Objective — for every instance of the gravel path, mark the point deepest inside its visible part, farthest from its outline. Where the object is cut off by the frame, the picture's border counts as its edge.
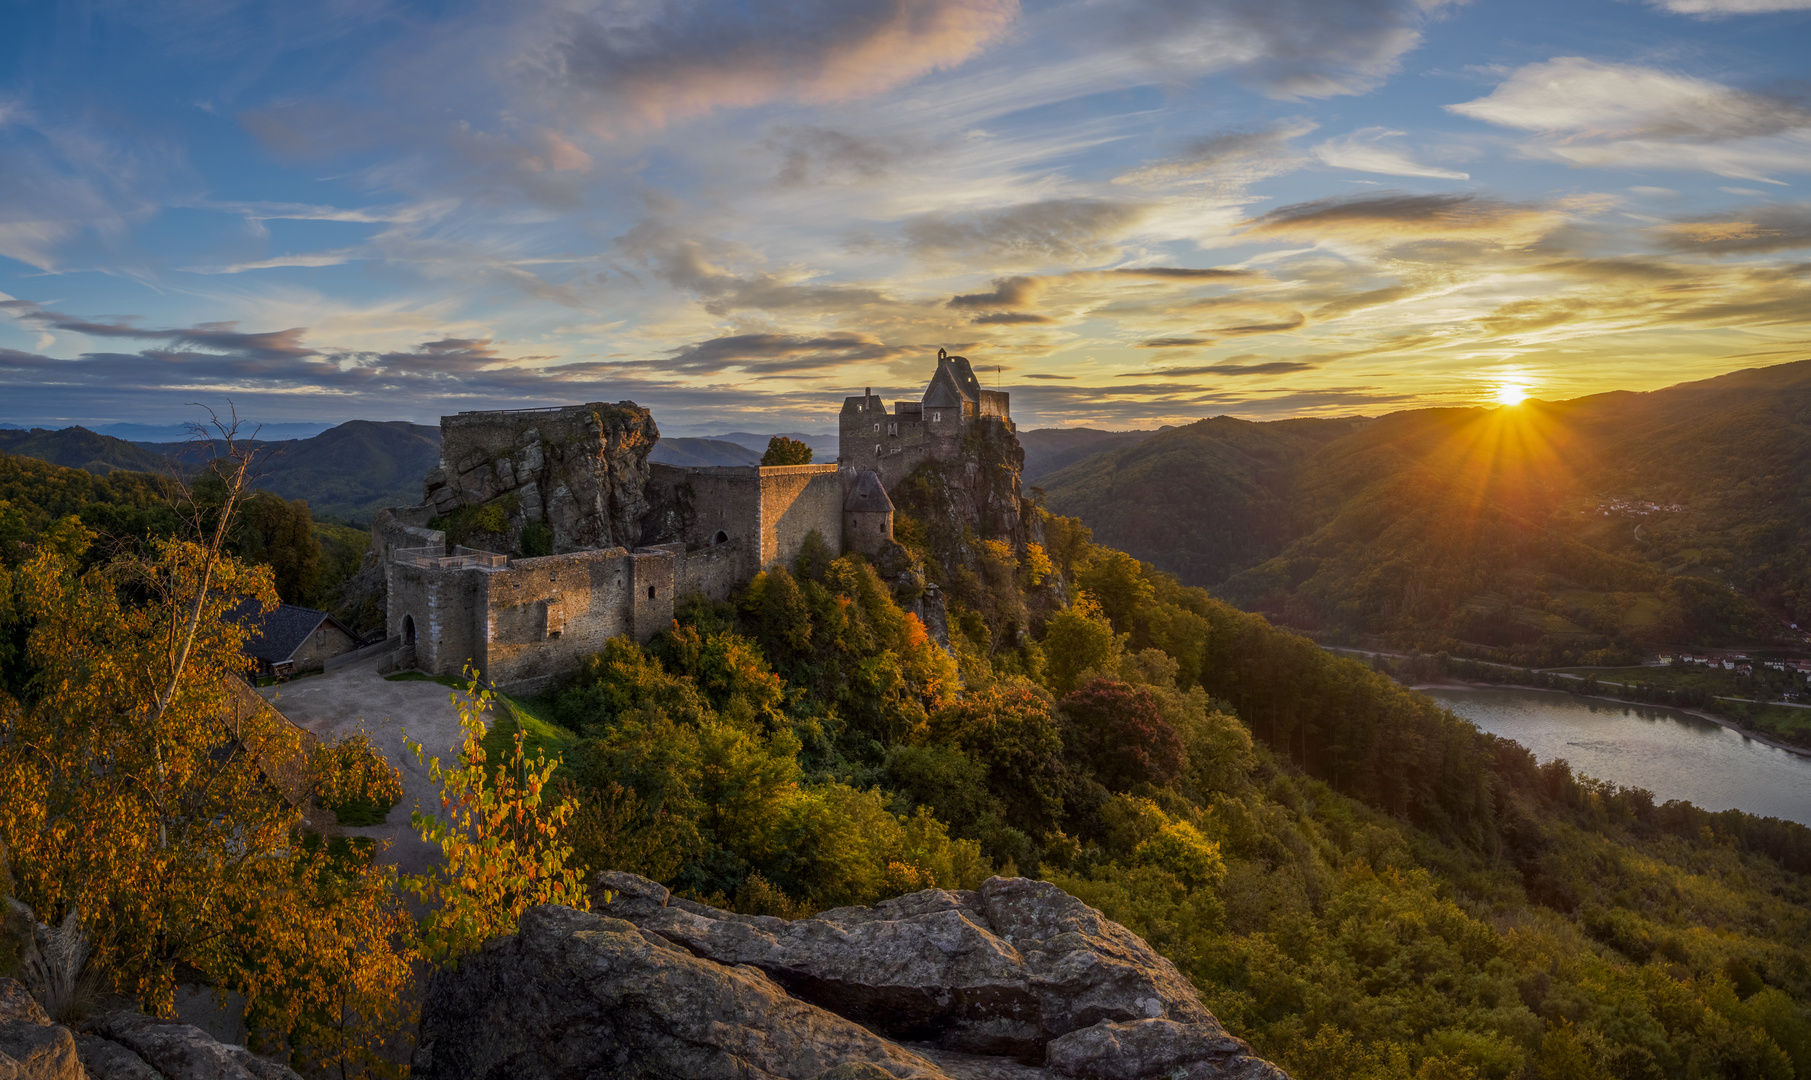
(336, 703)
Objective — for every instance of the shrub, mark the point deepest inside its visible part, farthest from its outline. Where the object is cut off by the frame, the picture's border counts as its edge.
(355, 781)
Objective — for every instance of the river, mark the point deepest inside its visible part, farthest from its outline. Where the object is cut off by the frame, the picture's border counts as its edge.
(1674, 755)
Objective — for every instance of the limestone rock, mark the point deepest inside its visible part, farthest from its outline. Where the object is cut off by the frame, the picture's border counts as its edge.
(18, 1006)
(31, 1047)
(574, 995)
(35, 1051)
(1000, 971)
(1142, 1048)
(108, 1060)
(581, 472)
(173, 1051)
(1014, 981)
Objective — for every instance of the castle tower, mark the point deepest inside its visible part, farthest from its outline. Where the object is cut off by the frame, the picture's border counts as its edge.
(867, 515)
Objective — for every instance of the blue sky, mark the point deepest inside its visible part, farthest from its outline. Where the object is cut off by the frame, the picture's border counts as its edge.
(1127, 213)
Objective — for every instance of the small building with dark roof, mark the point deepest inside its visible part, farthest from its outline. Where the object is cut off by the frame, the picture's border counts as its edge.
(290, 639)
(867, 514)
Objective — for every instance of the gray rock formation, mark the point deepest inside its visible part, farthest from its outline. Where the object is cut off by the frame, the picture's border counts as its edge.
(1015, 980)
(116, 1046)
(578, 472)
(31, 1047)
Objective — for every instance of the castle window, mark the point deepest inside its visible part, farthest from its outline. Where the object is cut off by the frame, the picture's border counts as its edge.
(721, 538)
(650, 592)
(936, 418)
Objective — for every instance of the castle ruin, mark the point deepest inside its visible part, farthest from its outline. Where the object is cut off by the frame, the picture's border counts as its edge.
(931, 428)
(545, 532)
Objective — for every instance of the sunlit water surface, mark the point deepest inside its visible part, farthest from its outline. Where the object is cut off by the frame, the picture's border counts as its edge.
(1674, 755)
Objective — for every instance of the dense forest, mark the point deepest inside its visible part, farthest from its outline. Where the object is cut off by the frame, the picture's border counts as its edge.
(124, 510)
(1545, 533)
(1360, 884)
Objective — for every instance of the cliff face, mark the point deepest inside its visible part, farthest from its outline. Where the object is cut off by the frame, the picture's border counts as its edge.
(1015, 980)
(544, 482)
(960, 511)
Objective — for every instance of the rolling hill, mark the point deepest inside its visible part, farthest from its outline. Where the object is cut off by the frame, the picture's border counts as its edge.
(80, 448)
(1049, 450)
(1553, 529)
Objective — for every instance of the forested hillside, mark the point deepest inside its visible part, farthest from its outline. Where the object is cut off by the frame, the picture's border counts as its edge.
(124, 511)
(1550, 531)
(1359, 883)
(347, 472)
(1049, 450)
(79, 448)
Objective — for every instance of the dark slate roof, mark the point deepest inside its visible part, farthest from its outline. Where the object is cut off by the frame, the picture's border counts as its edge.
(943, 392)
(868, 495)
(280, 633)
(966, 383)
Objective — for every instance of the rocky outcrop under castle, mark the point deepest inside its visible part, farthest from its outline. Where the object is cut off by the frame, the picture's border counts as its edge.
(563, 479)
(1014, 981)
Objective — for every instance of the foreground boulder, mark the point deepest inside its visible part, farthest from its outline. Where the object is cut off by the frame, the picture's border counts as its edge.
(117, 1046)
(1014, 980)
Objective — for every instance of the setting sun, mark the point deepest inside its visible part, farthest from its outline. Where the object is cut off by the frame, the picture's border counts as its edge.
(1511, 393)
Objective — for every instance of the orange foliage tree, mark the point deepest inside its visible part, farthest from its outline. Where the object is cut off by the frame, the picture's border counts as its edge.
(150, 803)
(501, 840)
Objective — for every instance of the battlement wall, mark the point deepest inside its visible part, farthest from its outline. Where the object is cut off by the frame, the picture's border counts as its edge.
(533, 618)
(761, 512)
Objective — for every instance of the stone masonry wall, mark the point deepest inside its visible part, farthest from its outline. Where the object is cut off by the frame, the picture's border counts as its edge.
(711, 572)
(797, 500)
(537, 617)
(764, 512)
(313, 654)
(441, 604)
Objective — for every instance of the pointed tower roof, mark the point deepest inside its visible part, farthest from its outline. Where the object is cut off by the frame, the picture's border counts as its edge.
(953, 384)
(942, 393)
(966, 383)
(868, 495)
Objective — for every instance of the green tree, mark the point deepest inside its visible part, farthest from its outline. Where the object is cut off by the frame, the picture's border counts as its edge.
(784, 451)
(1079, 639)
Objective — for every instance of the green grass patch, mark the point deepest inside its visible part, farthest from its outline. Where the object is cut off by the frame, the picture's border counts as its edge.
(538, 734)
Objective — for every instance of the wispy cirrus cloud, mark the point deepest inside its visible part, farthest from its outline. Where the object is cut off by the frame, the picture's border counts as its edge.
(1711, 9)
(648, 65)
(1230, 160)
(1051, 231)
(1269, 367)
(1605, 115)
(1365, 151)
(1768, 227)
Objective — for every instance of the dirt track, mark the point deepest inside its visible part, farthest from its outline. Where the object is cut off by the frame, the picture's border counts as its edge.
(338, 702)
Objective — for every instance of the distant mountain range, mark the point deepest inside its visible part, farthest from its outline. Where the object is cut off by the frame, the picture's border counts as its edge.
(1679, 515)
(345, 473)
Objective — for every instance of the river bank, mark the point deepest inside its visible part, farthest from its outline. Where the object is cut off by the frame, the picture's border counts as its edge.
(1720, 721)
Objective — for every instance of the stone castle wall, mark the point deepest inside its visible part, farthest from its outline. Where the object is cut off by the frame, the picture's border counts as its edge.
(763, 512)
(533, 619)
